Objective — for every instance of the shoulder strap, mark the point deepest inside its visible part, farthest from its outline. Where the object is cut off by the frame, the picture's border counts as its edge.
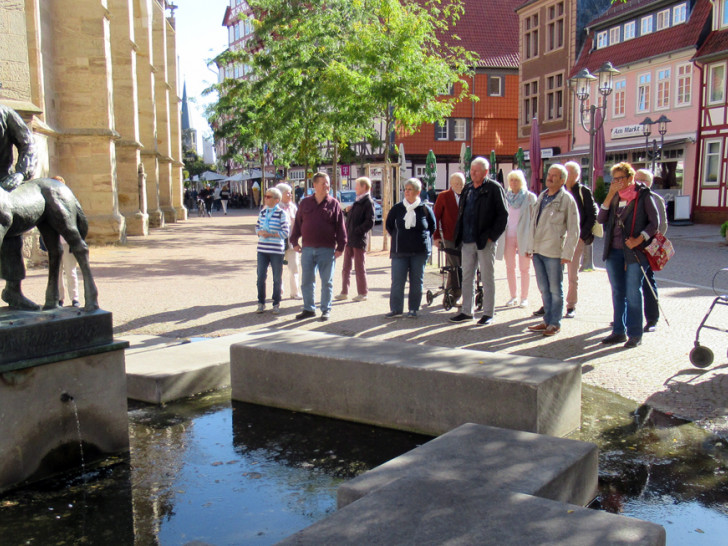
(634, 214)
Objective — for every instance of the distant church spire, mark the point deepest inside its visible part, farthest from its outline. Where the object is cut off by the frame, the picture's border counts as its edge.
(189, 135)
(185, 109)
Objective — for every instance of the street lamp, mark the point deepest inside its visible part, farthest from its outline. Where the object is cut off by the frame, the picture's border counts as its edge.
(581, 83)
(647, 124)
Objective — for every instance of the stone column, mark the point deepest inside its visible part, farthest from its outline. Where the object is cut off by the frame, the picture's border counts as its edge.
(126, 115)
(175, 127)
(84, 112)
(162, 99)
(147, 107)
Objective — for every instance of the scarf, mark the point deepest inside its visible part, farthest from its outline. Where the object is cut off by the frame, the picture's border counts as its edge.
(265, 226)
(629, 193)
(515, 200)
(410, 218)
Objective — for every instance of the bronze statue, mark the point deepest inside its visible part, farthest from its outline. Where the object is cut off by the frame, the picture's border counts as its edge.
(44, 203)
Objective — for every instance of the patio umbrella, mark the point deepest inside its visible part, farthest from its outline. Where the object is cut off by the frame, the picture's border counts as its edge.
(535, 155)
(492, 163)
(402, 169)
(521, 158)
(466, 163)
(599, 150)
(430, 170)
(211, 176)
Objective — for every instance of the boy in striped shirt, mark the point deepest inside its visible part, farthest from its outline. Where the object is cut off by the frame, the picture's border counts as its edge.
(272, 229)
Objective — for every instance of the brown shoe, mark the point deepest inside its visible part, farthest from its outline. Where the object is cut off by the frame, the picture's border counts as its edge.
(538, 327)
(551, 330)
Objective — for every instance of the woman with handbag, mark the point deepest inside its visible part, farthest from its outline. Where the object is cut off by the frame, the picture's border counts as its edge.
(630, 220)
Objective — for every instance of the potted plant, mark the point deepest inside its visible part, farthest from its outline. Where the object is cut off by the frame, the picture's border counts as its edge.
(724, 231)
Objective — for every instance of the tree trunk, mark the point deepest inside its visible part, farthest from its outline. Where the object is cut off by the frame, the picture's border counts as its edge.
(334, 167)
(386, 181)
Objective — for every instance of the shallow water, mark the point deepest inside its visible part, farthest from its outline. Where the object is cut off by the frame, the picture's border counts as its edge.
(226, 473)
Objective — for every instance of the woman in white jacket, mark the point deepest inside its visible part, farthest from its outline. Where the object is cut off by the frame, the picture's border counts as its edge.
(514, 239)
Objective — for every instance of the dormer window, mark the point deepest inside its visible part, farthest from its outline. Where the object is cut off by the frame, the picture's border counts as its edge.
(646, 25)
(663, 19)
(628, 31)
(613, 35)
(602, 40)
(679, 14)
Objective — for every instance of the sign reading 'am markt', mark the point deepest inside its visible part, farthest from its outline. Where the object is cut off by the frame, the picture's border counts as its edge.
(627, 131)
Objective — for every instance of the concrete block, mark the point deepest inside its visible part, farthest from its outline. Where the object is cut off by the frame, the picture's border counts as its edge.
(495, 459)
(36, 419)
(419, 388)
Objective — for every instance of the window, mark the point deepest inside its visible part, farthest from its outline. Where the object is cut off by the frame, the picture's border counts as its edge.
(716, 84)
(602, 39)
(620, 88)
(440, 131)
(530, 101)
(452, 129)
(663, 89)
(643, 92)
(555, 27)
(711, 163)
(679, 14)
(554, 96)
(663, 19)
(684, 84)
(237, 31)
(614, 35)
(628, 31)
(530, 37)
(724, 16)
(459, 129)
(495, 86)
(646, 25)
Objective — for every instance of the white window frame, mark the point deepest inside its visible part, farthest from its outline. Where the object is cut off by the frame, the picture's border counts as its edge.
(647, 94)
(499, 79)
(555, 27)
(679, 14)
(614, 35)
(646, 25)
(663, 19)
(719, 159)
(602, 39)
(460, 129)
(711, 68)
(620, 88)
(441, 131)
(688, 75)
(629, 31)
(662, 82)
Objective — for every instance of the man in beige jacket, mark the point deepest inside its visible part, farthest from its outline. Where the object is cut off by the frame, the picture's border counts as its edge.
(552, 241)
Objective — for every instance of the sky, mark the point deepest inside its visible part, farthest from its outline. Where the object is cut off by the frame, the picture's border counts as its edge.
(200, 37)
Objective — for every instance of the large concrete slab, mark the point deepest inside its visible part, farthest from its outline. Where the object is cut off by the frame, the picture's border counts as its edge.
(420, 388)
(479, 485)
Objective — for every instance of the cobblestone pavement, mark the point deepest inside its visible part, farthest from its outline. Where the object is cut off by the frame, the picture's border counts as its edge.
(197, 278)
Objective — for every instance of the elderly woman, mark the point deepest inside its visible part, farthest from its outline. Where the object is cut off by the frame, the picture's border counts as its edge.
(272, 229)
(291, 257)
(411, 224)
(630, 221)
(515, 238)
(447, 208)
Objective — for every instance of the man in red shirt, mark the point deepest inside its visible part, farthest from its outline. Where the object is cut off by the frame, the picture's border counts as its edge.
(446, 213)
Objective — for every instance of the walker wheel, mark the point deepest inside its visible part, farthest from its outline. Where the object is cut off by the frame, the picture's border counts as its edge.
(448, 301)
(430, 297)
(701, 357)
(479, 300)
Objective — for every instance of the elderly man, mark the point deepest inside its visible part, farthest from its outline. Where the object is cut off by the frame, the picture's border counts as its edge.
(14, 133)
(359, 224)
(650, 297)
(482, 218)
(320, 222)
(552, 242)
(587, 216)
(446, 214)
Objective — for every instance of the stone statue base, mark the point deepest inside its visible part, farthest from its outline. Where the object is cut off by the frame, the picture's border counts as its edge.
(62, 391)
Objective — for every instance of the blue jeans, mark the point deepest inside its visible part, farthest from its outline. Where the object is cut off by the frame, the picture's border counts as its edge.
(313, 258)
(626, 294)
(549, 277)
(276, 264)
(402, 266)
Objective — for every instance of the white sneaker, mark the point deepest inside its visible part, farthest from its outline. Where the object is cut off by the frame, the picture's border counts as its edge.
(340, 297)
(513, 302)
(297, 297)
(359, 297)
(276, 310)
(261, 308)
(524, 303)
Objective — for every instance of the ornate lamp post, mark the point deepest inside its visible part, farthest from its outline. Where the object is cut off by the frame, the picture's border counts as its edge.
(581, 83)
(655, 153)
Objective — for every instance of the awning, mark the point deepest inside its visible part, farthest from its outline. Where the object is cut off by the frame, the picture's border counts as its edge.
(625, 146)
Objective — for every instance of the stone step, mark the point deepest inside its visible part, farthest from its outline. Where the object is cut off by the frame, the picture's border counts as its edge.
(419, 388)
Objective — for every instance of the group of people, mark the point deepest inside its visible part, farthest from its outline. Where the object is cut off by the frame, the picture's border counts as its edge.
(208, 198)
(475, 224)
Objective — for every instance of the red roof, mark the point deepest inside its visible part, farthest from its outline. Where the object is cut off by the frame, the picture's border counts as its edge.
(716, 43)
(652, 45)
(490, 28)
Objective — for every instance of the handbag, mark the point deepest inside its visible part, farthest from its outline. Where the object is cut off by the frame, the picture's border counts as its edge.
(597, 229)
(659, 251)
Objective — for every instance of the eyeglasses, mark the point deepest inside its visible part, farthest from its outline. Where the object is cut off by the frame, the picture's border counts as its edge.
(619, 178)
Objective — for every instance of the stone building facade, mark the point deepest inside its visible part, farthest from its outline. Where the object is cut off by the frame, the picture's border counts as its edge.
(96, 80)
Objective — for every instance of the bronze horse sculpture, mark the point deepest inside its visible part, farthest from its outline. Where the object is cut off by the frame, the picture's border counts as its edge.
(50, 206)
